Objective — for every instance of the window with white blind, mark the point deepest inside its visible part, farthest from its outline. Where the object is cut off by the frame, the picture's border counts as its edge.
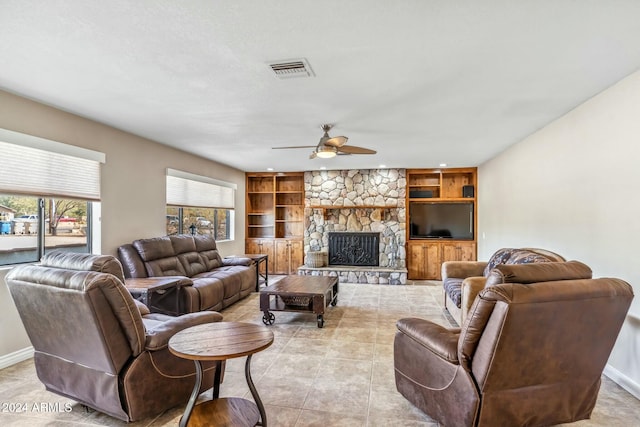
(199, 204)
(47, 190)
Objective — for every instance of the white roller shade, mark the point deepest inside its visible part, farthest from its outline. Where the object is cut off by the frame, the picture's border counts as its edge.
(36, 166)
(185, 189)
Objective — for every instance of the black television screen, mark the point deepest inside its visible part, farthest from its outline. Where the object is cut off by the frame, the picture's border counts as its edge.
(441, 220)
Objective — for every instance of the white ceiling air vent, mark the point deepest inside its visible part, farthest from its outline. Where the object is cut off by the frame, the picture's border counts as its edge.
(292, 68)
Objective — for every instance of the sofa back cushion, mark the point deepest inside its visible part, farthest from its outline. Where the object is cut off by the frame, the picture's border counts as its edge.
(538, 272)
(518, 256)
(208, 250)
(165, 267)
(184, 246)
(159, 257)
(154, 248)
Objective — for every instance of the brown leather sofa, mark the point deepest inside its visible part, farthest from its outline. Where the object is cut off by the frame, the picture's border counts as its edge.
(95, 344)
(531, 352)
(463, 280)
(210, 282)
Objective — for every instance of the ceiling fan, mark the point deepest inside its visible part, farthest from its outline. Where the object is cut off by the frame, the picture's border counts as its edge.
(331, 146)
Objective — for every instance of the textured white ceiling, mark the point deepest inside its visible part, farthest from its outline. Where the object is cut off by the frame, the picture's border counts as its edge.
(422, 82)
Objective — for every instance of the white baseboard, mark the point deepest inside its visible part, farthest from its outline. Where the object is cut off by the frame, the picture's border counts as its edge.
(622, 380)
(15, 357)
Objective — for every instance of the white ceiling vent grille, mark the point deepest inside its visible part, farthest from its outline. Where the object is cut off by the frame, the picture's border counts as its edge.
(292, 68)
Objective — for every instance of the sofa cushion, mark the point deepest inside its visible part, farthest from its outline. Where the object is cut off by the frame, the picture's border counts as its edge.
(154, 248)
(452, 287)
(211, 259)
(211, 292)
(513, 256)
(192, 263)
(204, 242)
(170, 266)
(230, 277)
(183, 243)
(206, 246)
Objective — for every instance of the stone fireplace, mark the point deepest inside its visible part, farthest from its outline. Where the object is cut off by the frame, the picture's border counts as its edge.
(354, 248)
(357, 201)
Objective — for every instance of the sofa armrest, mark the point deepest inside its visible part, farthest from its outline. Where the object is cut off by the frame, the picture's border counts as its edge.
(470, 288)
(441, 341)
(160, 327)
(462, 269)
(237, 261)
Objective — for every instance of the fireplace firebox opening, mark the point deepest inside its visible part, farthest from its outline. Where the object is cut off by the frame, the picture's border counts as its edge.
(354, 248)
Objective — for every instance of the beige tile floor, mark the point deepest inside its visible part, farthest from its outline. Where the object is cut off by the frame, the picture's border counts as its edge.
(340, 375)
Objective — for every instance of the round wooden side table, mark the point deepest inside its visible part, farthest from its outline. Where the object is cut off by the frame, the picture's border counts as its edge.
(218, 342)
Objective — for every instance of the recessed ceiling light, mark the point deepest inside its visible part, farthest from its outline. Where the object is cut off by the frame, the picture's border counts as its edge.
(382, 166)
(269, 169)
(323, 167)
(443, 165)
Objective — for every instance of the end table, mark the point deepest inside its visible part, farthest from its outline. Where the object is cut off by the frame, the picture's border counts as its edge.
(220, 341)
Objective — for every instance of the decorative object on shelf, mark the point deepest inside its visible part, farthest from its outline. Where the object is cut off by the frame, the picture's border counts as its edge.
(331, 146)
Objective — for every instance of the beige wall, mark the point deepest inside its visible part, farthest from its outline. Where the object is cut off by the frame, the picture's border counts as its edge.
(133, 185)
(572, 187)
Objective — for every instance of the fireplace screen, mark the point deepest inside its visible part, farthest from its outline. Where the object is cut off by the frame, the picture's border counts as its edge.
(358, 249)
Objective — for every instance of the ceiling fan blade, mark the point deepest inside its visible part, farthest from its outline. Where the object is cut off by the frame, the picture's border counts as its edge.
(350, 149)
(295, 146)
(336, 141)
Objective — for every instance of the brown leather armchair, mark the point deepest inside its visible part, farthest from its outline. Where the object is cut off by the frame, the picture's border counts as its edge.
(95, 344)
(463, 280)
(531, 352)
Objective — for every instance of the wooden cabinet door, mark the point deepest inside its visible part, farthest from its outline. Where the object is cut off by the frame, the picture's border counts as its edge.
(433, 261)
(281, 262)
(297, 256)
(289, 255)
(416, 257)
(458, 251)
(467, 251)
(262, 246)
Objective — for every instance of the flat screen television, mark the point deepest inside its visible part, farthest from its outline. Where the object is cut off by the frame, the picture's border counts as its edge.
(441, 220)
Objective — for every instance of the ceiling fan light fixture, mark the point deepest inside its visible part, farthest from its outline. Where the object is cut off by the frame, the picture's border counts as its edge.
(326, 152)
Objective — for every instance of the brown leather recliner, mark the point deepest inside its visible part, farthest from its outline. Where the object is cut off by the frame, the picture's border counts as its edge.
(530, 353)
(95, 344)
(463, 280)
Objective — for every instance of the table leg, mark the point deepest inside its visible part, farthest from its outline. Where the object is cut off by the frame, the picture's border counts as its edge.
(217, 376)
(194, 395)
(258, 276)
(254, 392)
(266, 270)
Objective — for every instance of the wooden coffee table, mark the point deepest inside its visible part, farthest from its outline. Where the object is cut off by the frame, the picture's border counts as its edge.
(220, 341)
(309, 294)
